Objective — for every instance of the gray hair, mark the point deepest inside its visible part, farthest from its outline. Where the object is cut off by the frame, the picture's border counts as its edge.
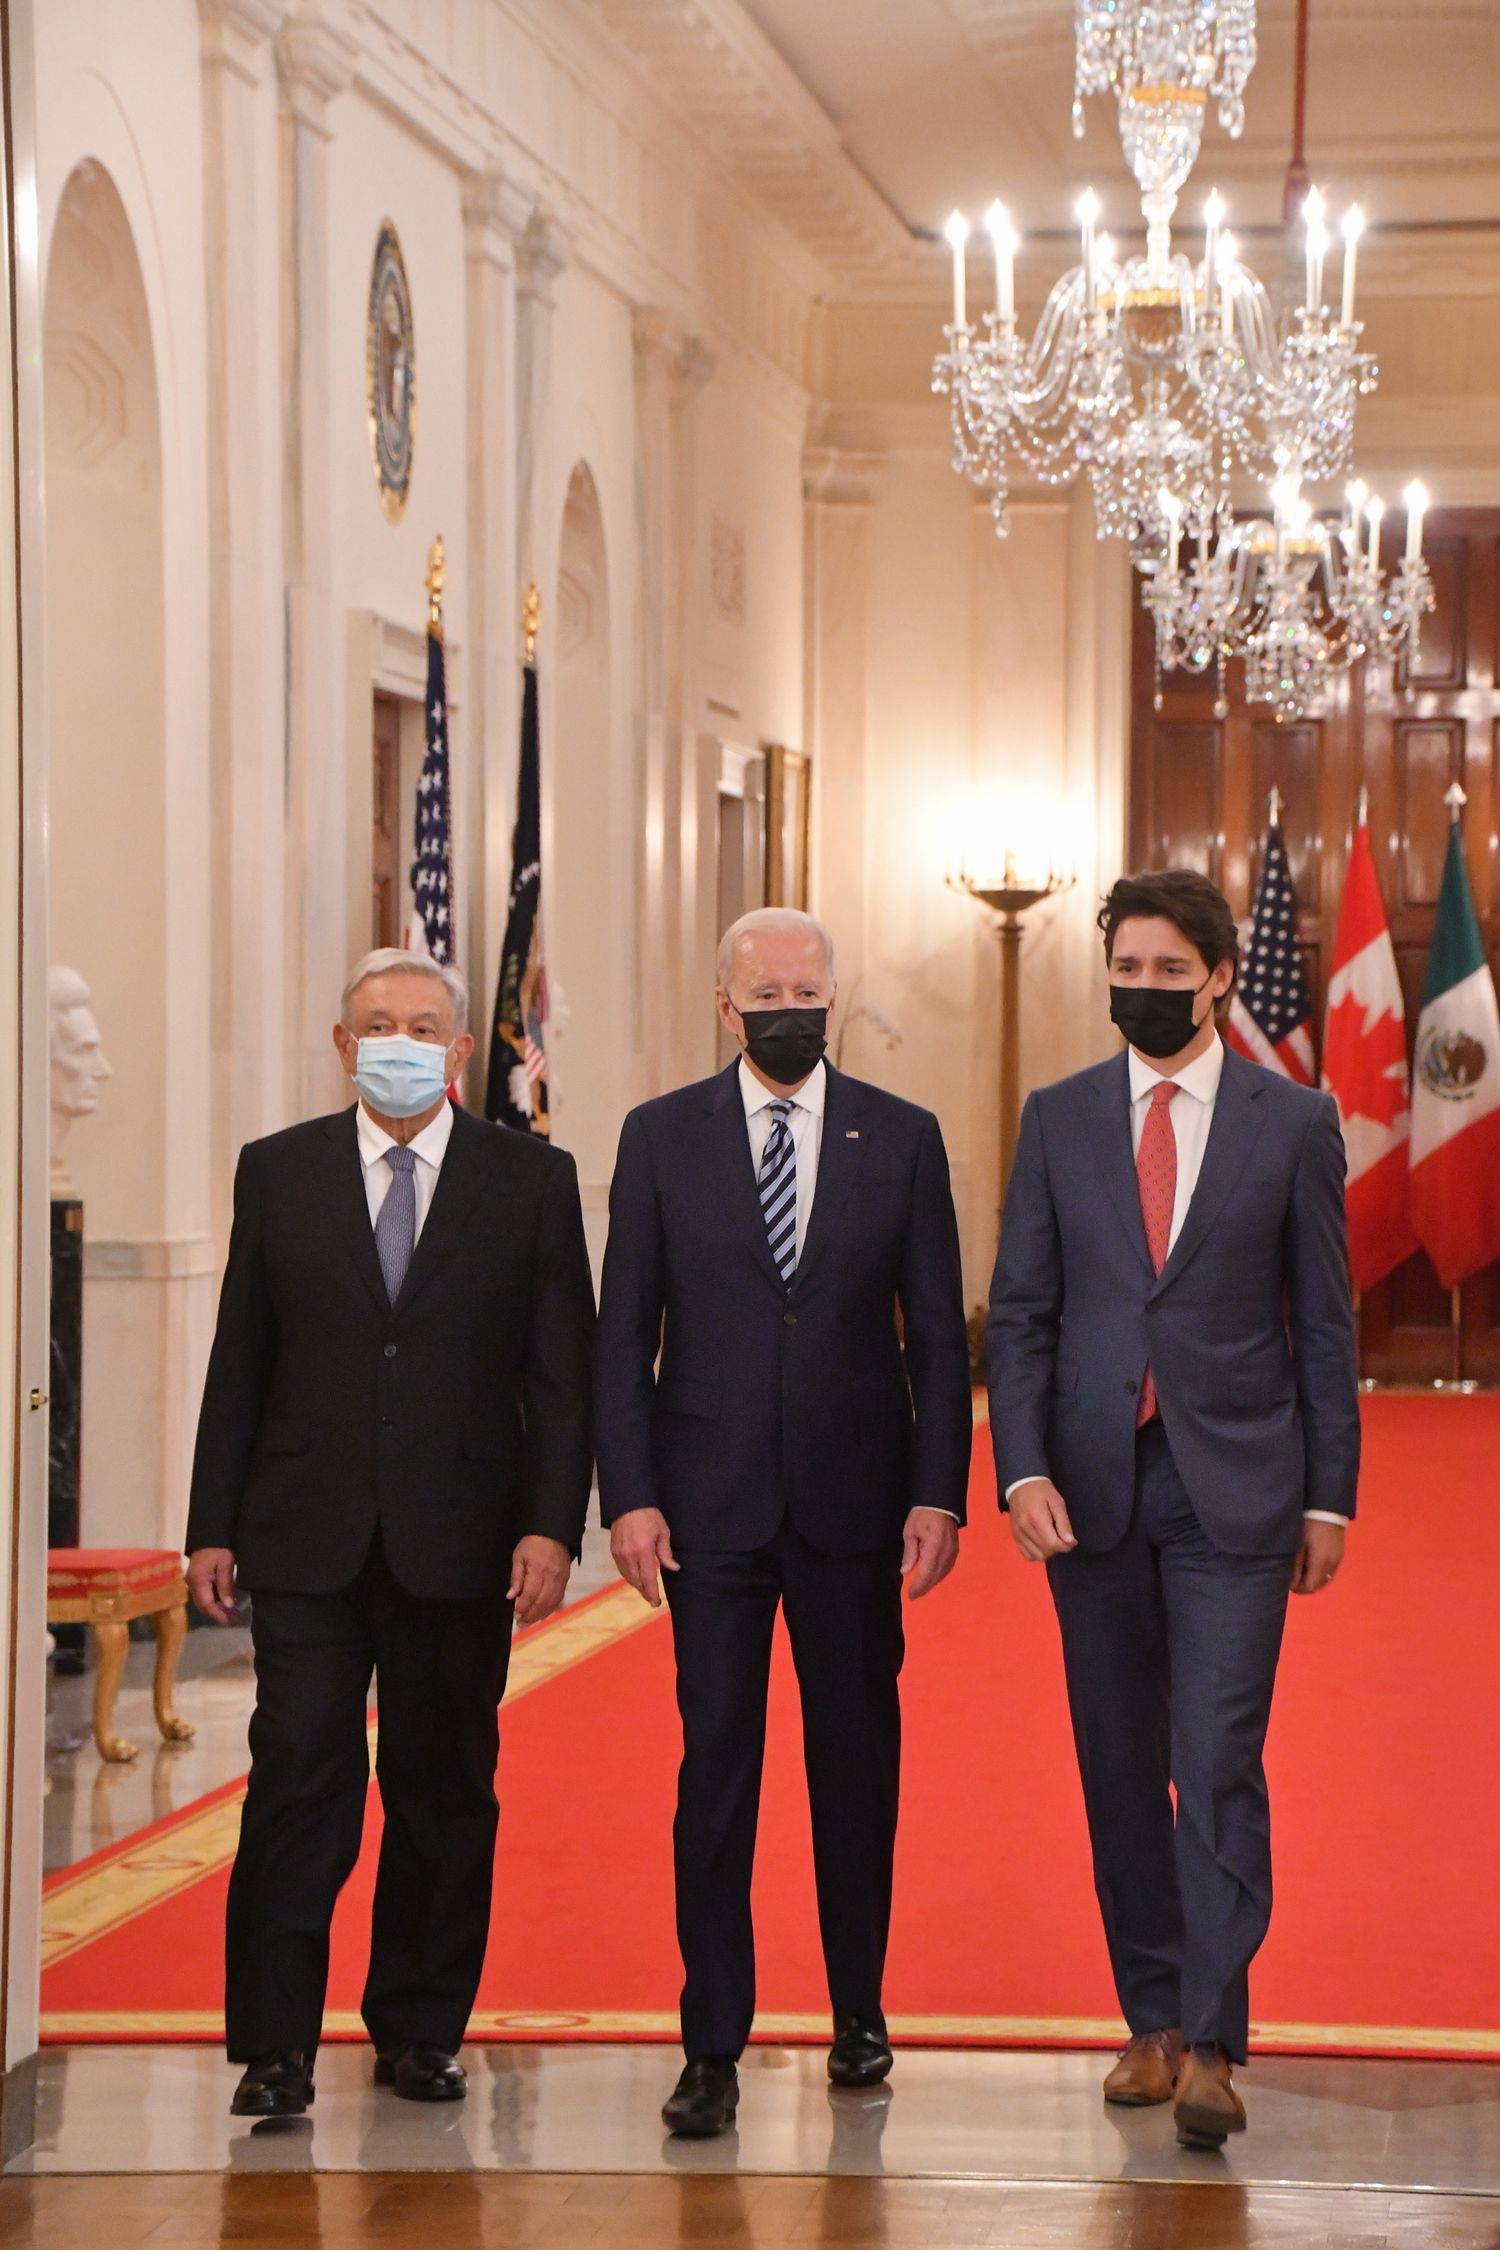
(783, 918)
(385, 958)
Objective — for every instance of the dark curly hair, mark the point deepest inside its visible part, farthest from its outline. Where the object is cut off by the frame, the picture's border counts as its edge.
(1183, 897)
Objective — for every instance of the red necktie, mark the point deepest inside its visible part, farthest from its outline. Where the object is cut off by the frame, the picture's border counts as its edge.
(1156, 1177)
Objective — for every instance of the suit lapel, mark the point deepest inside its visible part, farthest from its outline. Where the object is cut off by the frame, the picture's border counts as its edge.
(458, 1183)
(845, 1138)
(729, 1138)
(350, 1205)
(1238, 1117)
(1116, 1154)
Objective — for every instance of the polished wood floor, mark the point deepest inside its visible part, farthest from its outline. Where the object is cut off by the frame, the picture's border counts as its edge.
(351, 2211)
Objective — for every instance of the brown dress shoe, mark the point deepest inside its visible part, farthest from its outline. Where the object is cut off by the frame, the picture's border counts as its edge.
(1146, 2071)
(1208, 2108)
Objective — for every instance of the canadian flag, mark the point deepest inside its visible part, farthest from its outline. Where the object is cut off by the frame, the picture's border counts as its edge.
(1364, 1068)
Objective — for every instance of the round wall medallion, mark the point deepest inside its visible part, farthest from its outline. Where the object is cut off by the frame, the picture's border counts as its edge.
(390, 373)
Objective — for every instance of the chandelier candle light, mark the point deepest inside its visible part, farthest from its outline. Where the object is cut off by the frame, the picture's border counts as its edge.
(1166, 378)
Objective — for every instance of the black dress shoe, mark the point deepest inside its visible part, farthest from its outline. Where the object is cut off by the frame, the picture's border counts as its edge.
(276, 2085)
(861, 2052)
(704, 2100)
(421, 2074)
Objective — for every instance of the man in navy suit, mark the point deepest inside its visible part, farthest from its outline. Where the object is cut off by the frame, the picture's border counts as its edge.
(782, 1238)
(1175, 1413)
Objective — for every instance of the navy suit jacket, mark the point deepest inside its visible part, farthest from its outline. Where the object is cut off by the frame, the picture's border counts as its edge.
(771, 1399)
(1249, 1331)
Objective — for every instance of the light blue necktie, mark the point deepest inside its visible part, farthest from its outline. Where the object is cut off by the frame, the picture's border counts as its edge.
(778, 1191)
(396, 1221)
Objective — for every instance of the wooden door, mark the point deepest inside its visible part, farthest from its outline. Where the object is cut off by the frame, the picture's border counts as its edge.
(385, 843)
(1198, 794)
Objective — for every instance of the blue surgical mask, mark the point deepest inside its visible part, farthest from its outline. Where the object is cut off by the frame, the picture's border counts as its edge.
(401, 1077)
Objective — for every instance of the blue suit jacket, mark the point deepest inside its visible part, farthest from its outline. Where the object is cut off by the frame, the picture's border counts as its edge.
(771, 1399)
(1249, 1331)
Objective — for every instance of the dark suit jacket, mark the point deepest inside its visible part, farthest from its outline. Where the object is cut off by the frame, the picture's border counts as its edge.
(457, 1419)
(772, 1399)
(1249, 1331)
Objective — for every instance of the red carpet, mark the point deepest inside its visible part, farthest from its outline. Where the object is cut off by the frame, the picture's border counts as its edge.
(1384, 1750)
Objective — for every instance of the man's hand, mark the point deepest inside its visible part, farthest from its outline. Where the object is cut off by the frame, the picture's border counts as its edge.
(1039, 1520)
(539, 1572)
(929, 1551)
(210, 1577)
(641, 1544)
(1318, 1557)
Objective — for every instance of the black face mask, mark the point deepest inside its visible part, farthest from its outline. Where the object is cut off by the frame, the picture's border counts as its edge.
(1159, 1023)
(786, 1043)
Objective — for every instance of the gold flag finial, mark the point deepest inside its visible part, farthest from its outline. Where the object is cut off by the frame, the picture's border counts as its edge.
(531, 620)
(436, 561)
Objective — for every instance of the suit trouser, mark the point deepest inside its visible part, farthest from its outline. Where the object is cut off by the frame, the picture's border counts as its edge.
(1171, 1647)
(441, 1672)
(843, 1615)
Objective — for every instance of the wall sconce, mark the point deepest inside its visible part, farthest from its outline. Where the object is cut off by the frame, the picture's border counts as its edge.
(1008, 896)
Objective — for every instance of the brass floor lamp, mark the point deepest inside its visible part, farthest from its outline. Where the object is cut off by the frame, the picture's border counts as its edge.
(1010, 898)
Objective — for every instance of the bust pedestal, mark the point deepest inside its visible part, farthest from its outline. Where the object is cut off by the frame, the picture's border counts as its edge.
(65, 1421)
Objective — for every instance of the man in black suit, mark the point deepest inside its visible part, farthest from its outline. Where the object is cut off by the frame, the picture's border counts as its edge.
(1175, 1413)
(769, 1228)
(394, 1459)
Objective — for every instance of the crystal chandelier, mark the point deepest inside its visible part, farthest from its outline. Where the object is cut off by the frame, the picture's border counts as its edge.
(1164, 377)
(1297, 597)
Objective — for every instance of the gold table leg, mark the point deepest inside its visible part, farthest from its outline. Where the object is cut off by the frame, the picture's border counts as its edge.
(170, 1628)
(111, 1641)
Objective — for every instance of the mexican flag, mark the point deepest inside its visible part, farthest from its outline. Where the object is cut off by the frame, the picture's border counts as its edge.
(1455, 1121)
(1364, 1068)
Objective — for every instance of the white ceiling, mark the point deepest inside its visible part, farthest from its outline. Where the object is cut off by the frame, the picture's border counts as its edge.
(943, 102)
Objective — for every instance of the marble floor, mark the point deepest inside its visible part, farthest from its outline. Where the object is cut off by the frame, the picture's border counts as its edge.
(945, 2115)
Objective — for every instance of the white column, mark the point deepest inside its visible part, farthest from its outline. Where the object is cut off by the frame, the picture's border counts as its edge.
(543, 252)
(496, 213)
(678, 878)
(839, 488)
(245, 716)
(316, 65)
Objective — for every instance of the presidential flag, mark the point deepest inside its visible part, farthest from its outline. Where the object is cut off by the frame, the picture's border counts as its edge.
(1271, 1014)
(432, 929)
(1455, 1111)
(516, 1088)
(1364, 1068)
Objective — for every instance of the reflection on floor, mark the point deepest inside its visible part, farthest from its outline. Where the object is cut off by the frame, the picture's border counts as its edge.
(91, 1804)
(527, 2213)
(946, 2114)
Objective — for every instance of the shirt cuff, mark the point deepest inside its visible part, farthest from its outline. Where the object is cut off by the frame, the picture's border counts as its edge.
(948, 1512)
(1010, 1488)
(1322, 1515)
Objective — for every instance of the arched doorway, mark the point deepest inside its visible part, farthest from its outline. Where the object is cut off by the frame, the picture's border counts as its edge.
(109, 829)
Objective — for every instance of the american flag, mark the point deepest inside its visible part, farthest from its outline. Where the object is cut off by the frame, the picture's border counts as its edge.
(432, 932)
(1271, 1014)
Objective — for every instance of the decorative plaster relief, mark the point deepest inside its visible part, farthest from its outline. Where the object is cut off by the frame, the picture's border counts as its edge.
(726, 564)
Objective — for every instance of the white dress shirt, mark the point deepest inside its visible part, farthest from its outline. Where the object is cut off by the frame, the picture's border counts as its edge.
(1191, 1114)
(805, 1124)
(429, 1148)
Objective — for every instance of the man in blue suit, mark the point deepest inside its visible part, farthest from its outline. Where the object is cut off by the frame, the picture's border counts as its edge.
(782, 1240)
(1175, 1414)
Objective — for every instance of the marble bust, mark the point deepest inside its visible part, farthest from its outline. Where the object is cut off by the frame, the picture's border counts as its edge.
(79, 1067)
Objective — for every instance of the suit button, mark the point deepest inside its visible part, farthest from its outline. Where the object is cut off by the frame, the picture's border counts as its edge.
(386, 1423)
(790, 1318)
(390, 1351)
(1131, 1389)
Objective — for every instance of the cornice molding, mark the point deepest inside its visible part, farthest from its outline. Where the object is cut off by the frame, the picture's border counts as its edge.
(498, 208)
(316, 63)
(237, 35)
(836, 476)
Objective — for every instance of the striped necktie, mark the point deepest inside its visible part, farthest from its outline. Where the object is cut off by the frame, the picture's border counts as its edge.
(778, 1191)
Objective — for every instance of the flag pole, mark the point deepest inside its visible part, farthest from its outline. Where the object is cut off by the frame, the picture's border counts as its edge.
(1455, 797)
